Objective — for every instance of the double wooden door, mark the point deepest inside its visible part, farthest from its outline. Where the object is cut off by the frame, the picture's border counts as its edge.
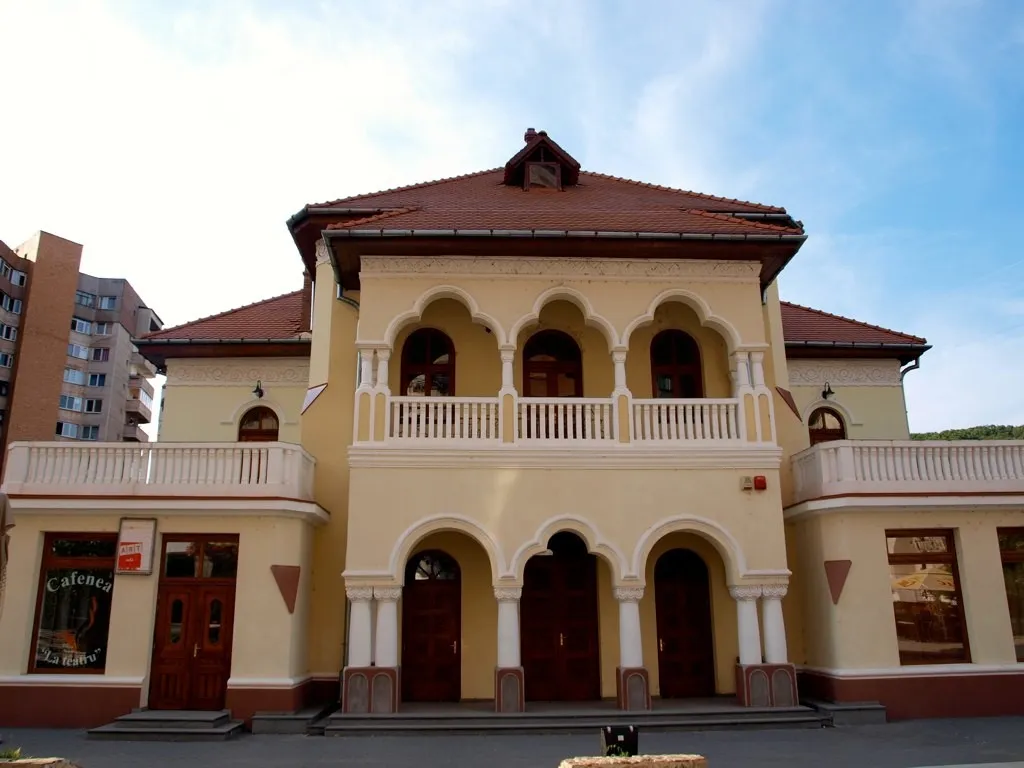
(432, 629)
(559, 638)
(682, 596)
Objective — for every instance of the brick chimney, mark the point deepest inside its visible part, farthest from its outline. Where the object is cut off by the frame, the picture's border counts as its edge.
(530, 135)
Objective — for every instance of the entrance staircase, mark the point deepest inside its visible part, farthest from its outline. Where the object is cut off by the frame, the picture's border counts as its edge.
(170, 725)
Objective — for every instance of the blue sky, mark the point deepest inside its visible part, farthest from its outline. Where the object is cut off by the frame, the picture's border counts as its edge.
(174, 141)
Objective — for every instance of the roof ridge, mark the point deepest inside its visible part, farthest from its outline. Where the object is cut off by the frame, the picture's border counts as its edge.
(403, 188)
(663, 188)
(225, 313)
(730, 218)
(858, 322)
(373, 218)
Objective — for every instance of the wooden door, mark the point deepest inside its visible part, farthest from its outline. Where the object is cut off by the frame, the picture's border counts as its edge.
(682, 596)
(432, 629)
(170, 671)
(560, 650)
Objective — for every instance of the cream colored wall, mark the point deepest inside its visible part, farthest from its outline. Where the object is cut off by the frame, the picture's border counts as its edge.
(870, 412)
(860, 632)
(204, 400)
(268, 642)
(598, 372)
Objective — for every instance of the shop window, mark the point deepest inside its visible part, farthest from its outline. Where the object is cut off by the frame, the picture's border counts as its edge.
(428, 364)
(258, 425)
(825, 425)
(1011, 551)
(76, 588)
(675, 365)
(926, 599)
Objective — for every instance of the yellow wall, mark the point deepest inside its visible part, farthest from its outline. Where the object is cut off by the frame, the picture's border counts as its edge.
(870, 412)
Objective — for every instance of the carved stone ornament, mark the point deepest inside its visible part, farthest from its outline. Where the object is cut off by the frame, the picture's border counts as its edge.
(850, 373)
(777, 591)
(468, 265)
(235, 374)
(356, 594)
(323, 255)
(387, 593)
(746, 591)
(629, 594)
(508, 594)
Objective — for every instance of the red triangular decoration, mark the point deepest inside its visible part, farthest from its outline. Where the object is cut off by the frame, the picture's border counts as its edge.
(287, 578)
(836, 572)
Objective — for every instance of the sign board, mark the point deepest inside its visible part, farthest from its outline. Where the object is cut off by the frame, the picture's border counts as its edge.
(135, 545)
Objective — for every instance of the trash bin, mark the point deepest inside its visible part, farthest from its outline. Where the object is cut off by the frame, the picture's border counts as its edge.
(620, 740)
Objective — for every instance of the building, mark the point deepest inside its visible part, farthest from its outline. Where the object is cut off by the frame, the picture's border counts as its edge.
(529, 434)
(72, 371)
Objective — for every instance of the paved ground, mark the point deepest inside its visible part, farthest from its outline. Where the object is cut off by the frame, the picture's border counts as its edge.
(896, 745)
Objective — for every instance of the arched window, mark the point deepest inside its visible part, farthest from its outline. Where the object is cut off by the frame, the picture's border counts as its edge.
(552, 366)
(824, 425)
(675, 365)
(432, 565)
(258, 425)
(428, 364)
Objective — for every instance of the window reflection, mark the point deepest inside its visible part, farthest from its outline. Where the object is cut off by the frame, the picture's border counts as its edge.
(213, 632)
(177, 616)
(180, 560)
(220, 559)
(1011, 549)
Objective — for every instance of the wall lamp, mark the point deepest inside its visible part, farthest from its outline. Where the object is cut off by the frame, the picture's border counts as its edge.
(258, 391)
(827, 392)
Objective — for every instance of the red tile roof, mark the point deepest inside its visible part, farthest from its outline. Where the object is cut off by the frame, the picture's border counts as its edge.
(277, 318)
(803, 324)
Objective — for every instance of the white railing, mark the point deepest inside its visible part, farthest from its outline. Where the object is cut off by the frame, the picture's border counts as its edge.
(181, 469)
(564, 419)
(443, 418)
(908, 466)
(699, 421)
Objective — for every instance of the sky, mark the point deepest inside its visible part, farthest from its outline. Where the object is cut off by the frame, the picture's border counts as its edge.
(175, 139)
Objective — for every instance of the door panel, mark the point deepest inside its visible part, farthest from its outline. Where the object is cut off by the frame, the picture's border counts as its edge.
(172, 649)
(432, 636)
(682, 596)
(211, 662)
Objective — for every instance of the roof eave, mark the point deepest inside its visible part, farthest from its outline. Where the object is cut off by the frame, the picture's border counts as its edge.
(904, 352)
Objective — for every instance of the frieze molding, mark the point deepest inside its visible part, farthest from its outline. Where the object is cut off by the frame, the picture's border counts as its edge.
(359, 593)
(387, 593)
(234, 374)
(850, 373)
(705, 270)
(776, 591)
(746, 591)
(508, 594)
(629, 594)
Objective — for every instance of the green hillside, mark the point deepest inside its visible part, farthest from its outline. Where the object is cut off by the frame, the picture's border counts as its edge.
(987, 432)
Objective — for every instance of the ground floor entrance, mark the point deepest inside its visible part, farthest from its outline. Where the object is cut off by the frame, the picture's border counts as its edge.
(686, 653)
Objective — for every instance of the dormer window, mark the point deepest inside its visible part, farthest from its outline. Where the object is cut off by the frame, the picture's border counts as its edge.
(543, 176)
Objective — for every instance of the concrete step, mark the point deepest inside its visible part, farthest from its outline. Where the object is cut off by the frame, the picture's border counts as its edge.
(290, 722)
(158, 718)
(850, 712)
(115, 732)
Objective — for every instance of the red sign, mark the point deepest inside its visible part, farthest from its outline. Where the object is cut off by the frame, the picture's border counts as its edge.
(129, 556)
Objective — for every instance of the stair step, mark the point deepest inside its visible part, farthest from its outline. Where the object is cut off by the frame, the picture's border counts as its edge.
(115, 732)
(173, 719)
(289, 722)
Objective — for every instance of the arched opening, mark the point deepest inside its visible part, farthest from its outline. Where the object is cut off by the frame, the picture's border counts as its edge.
(675, 365)
(258, 425)
(686, 649)
(428, 364)
(432, 628)
(552, 366)
(559, 617)
(824, 425)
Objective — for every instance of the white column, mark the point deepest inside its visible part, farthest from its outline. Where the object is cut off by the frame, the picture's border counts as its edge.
(746, 619)
(383, 356)
(359, 626)
(508, 626)
(774, 626)
(742, 380)
(619, 361)
(387, 625)
(757, 369)
(366, 368)
(631, 652)
(508, 384)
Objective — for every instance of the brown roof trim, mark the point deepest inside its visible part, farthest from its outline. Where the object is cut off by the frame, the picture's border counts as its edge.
(158, 351)
(905, 353)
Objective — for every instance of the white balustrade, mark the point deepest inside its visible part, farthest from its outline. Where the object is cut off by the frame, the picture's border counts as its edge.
(908, 466)
(443, 418)
(697, 420)
(565, 419)
(181, 469)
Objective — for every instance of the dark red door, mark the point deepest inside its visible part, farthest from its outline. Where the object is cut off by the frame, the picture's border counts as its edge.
(432, 629)
(561, 656)
(682, 598)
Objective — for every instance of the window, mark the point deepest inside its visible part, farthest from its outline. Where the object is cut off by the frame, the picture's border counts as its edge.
(5, 387)
(81, 326)
(108, 302)
(101, 354)
(1011, 550)
(552, 366)
(6, 360)
(77, 350)
(824, 425)
(146, 398)
(103, 329)
(70, 403)
(926, 600)
(97, 379)
(94, 405)
(215, 558)
(74, 376)
(18, 277)
(64, 429)
(73, 608)
(675, 366)
(5, 268)
(258, 425)
(9, 332)
(91, 432)
(543, 176)
(85, 299)
(428, 364)
(10, 304)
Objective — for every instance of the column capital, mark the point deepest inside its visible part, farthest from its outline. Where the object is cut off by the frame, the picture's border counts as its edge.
(383, 353)
(508, 594)
(359, 594)
(629, 594)
(776, 591)
(619, 354)
(508, 353)
(745, 591)
(387, 593)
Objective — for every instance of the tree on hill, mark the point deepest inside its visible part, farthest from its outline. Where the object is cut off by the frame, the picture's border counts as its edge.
(987, 432)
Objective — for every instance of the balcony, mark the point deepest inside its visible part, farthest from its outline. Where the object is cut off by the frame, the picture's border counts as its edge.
(133, 433)
(138, 410)
(208, 470)
(896, 467)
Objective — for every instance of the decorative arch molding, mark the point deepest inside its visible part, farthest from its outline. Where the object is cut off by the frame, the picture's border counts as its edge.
(723, 541)
(595, 542)
(264, 402)
(834, 405)
(437, 293)
(695, 302)
(581, 302)
(415, 533)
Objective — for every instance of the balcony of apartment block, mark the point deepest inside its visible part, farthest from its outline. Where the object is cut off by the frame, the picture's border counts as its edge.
(133, 433)
(139, 406)
(868, 470)
(142, 369)
(270, 470)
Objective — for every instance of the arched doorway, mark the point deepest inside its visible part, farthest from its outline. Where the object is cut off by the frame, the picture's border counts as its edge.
(552, 366)
(686, 651)
(825, 425)
(258, 425)
(428, 364)
(432, 628)
(559, 639)
(675, 366)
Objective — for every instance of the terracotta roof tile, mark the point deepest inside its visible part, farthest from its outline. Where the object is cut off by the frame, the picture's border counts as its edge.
(277, 318)
(802, 324)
